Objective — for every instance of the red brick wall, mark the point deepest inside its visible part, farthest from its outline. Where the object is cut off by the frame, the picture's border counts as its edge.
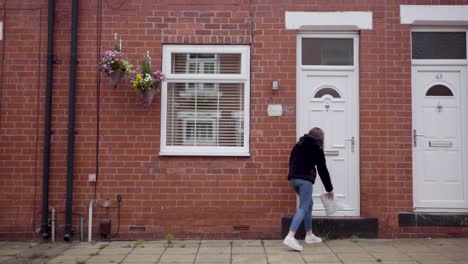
(119, 140)
(21, 81)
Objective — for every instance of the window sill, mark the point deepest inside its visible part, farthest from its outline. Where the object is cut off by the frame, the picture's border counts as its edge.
(219, 153)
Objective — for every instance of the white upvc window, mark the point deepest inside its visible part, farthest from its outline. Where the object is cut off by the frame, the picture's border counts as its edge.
(205, 100)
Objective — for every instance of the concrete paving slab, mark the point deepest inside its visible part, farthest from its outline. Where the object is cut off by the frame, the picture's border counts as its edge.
(358, 262)
(213, 258)
(148, 251)
(249, 258)
(248, 243)
(400, 251)
(320, 262)
(100, 259)
(216, 243)
(16, 244)
(123, 244)
(429, 257)
(317, 257)
(10, 251)
(66, 259)
(82, 252)
(4, 259)
(273, 243)
(175, 262)
(248, 250)
(278, 258)
(317, 247)
(283, 250)
(356, 257)
(115, 250)
(181, 251)
(141, 258)
(172, 258)
(413, 248)
(400, 262)
(342, 243)
(155, 244)
(391, 256)
(375, 242)
(99, 245)
(214, 250)
(436, 262)
(456, 256)
(184, 243)
(15, 248)
(347, 249)
(383, 249)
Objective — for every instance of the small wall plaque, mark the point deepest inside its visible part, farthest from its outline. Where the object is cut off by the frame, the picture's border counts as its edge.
(275, 110)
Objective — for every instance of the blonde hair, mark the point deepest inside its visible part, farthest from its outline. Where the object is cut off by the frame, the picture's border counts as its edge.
(317, 134)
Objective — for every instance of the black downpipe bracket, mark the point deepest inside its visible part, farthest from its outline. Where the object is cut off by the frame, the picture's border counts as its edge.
(71, 121)
(47, 122)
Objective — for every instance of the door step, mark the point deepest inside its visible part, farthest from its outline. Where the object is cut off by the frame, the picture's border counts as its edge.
(336, 227)
(433, 219)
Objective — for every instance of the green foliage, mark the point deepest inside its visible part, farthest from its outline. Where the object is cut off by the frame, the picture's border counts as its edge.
(39, 255)
(326, 237)
(145, 66)
(139, 243)
(80, 261)
(169, 238)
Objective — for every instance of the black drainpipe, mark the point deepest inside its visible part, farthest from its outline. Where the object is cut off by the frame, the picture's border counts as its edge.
(71, 121)
(47, 123)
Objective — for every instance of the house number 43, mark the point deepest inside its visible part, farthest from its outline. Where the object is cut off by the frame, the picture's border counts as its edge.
(439, 76)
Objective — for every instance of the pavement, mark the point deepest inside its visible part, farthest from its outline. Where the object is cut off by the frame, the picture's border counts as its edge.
(362, 251)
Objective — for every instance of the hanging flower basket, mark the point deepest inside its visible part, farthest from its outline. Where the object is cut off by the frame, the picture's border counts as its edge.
(146, 82)
(115, 77)
(147, 97)
(113, 63)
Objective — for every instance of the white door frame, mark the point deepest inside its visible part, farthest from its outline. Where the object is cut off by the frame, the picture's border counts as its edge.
(355, 101)
(415, 63)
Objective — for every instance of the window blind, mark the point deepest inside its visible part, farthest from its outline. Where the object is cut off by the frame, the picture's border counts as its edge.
(205, 63)
(205, 114)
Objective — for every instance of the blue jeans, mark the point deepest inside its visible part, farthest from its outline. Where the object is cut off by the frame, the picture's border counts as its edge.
(304, 189)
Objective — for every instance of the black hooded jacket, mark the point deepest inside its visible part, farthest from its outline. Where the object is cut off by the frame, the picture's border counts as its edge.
(305, 156)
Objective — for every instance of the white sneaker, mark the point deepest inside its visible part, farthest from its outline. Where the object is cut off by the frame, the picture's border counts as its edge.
(292, 243)
(310, 239)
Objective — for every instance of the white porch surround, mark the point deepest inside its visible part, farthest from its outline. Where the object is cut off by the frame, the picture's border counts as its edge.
(342, 150)
(328, 20)
(429, 195)
(440, 15)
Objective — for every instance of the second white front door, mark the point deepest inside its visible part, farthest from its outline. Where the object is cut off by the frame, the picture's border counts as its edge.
(440, 149)
(327, 98)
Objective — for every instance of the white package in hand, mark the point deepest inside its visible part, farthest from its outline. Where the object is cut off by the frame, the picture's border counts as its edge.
(331, 206)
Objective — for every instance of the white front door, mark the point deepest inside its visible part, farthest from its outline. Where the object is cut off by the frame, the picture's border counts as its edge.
(439, 138)
(328, 98)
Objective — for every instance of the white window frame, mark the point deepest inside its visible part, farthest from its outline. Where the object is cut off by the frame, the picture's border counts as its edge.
(416, 62)
(243, 77)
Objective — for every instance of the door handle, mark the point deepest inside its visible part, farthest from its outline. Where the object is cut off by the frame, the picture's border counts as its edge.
(352, 143)
(415, 137)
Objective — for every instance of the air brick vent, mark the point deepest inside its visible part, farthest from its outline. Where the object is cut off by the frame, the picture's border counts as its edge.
(241, 227)
(137, 229)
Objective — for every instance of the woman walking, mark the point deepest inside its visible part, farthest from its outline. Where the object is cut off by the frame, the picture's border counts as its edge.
(307, 157)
